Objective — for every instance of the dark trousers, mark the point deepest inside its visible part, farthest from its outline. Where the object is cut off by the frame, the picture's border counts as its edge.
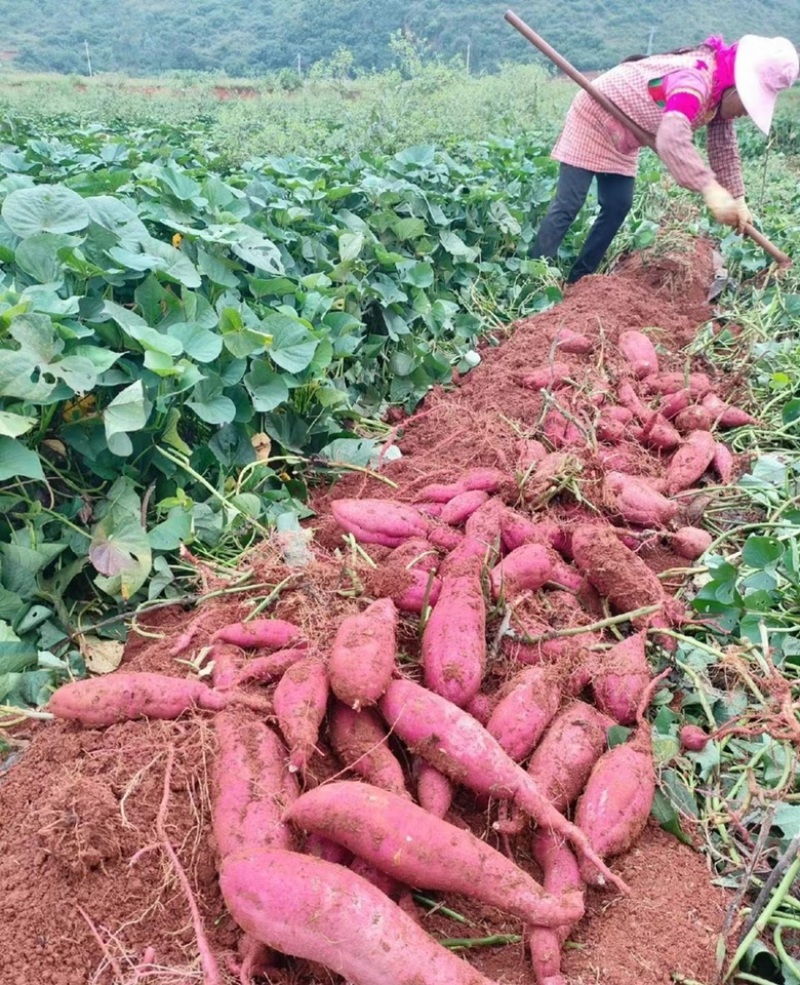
(615, 195)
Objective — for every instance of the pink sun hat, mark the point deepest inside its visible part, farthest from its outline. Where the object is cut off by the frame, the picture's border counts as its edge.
(763, 67)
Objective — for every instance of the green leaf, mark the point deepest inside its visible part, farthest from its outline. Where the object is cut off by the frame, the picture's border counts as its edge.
(292, 346)
(210, 404)
(350, 246)
(45, 209)
(267, 389)
(38, 256)
(172, 532)
(120, 550)
(456, 246)
(127, 412)
(409, 228)
(791, 412)
(759, 552)
(18, 460)
(13, 425)
(198, 343)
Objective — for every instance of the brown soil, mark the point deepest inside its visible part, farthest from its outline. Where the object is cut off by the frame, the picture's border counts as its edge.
(86, 887)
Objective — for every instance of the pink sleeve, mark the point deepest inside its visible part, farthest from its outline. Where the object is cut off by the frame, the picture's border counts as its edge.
(675, 147)
(687, 90)
(723, 156)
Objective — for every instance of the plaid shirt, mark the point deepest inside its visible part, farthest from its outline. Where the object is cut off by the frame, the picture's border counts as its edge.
(592, 139)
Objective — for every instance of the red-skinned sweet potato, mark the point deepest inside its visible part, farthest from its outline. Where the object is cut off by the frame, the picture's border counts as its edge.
(548, 377)
(698, 384)
(527, 568)
(573, 342)
(308, 908)
(251, 787)
(461, 507)
(615, 805)
(301, 699)
(635, 501)
(379, 521)
(434, 789)
(639, 353)
(452, 741)
(723, 463)
(361, 742)
(525, 706)
(561, 763)
(262, 670)
(621, 677)
(414, 847)
(693, 738)
(690, 461)
(690, 542)
(271, 634)
(560, 874)
(454, 638)
(227, 664)
(725, 415)
(529, 452)
(695, 418)
(363, 654)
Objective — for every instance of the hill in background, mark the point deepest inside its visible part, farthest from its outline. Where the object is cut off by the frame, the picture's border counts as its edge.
(254, 37)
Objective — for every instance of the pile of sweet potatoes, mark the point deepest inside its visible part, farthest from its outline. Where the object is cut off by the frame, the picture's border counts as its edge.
(322, 870)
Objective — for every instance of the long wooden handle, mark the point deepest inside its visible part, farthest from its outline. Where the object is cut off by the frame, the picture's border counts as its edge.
(645, 138)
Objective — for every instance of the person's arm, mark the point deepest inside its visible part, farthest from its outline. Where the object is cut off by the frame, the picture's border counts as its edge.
(687, 93)
(723, 156)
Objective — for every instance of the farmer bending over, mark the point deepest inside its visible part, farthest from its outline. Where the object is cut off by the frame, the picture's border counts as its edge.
(670, 95)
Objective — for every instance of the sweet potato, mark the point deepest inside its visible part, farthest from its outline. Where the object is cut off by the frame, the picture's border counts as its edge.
(265, 669)
(614, 807)
(483, 479)
(227, 663)
(657, 433)
(621, 678)
(422, 589)
(361, 742)
(416, 848)
(628, 397)
(529, 452)
(300, 699)
(560, 430)
(561, 763)
(100, 701)
(380, 880)
(454, 638)
(308, 908)
(618, 574)
(516, 530)
(548, 377)
(723, 463)
(458, 746)
(693, 738)
(271, 634)
(379, 521)
(434, 789)
(484, 524)
(635, 501)
(525, 569)
(363, 654)
(690, 542)
(673, 405)
(462, 506)
(690, 461)
(560, 874)
(610, 430)
(573, 342)
(525, 707)
(251, 788)
(433, 510)
(329, 851)
(725, 415)
(445, 538)
(698, 384)
(695, 418)
(480, 707)
(639, 353)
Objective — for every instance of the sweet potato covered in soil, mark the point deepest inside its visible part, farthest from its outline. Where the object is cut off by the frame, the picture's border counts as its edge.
(454, 638)
(524, 708)
(272, 634)
(301, 699)
(414, 847)
(360, 740)
(325, 913)
(363, 654)
(379, 521)
(620, 678)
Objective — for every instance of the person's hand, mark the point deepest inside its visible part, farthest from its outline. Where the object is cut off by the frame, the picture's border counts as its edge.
(721, 204)
(745, 216)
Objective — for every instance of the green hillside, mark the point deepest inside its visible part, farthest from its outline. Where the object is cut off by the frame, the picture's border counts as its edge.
(251, 37)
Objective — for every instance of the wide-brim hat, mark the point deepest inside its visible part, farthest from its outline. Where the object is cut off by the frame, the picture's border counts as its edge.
(763, 68)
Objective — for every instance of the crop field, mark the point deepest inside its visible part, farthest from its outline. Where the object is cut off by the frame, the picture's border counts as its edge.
(357, 577)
